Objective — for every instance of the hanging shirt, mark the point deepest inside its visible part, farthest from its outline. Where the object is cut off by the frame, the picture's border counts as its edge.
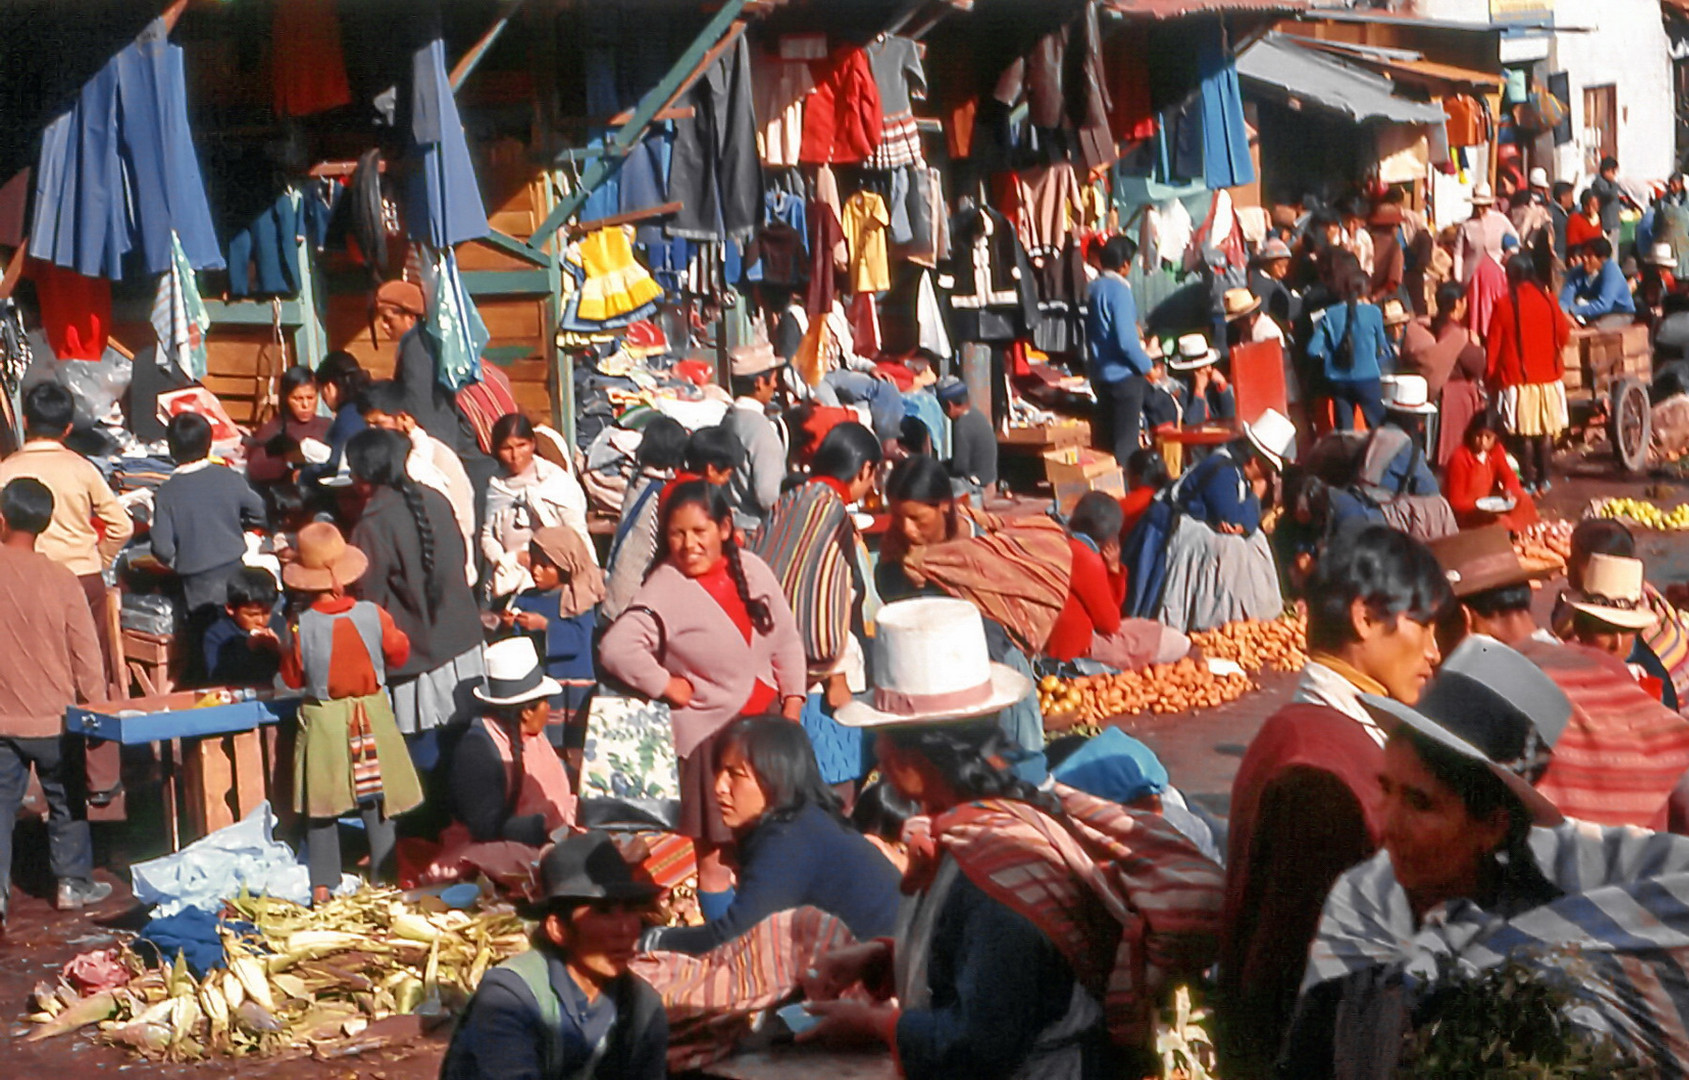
(865, 222)
(779, 87)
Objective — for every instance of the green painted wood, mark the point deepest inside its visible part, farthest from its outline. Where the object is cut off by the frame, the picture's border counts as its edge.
(535, 282)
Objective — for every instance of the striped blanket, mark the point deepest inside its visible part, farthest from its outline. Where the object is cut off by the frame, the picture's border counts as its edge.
(809, 542)
(1016, 573)
(1622, 753)
(1625, 917)
(1130, 902)
(712, 999)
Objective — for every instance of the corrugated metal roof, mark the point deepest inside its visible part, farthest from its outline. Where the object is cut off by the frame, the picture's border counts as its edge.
(1176, 9)
(1317, 78)
(1400, 63)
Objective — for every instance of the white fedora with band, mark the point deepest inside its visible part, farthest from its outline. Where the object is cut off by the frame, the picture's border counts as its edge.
(1193, 352)
(1613, 592)
(1274, 435)
(931, 664)
(1408, 394)
(515, 675)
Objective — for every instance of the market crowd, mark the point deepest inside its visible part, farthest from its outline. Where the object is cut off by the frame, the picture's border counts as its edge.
(823, 603)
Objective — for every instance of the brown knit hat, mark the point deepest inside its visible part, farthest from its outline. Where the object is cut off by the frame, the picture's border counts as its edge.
(404, 295)
(326, 561)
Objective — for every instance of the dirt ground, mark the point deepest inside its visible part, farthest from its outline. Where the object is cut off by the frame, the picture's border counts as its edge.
(1201, 751)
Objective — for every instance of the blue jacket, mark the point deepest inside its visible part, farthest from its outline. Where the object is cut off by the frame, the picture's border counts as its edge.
(1369, 343)
(813, 860)
(1607, 293)
(1216, 492)
(1111, 331)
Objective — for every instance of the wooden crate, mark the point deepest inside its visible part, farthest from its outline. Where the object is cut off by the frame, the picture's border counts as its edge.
(1074, 471)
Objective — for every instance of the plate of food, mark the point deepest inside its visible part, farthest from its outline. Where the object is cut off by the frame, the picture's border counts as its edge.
(1496, 504)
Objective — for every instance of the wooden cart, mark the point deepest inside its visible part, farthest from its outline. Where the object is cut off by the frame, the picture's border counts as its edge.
(1607, 377)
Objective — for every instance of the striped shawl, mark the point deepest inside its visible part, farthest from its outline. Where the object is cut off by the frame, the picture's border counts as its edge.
(1129, 901)
(1016, 573)
(1625, 915)
(809, 541)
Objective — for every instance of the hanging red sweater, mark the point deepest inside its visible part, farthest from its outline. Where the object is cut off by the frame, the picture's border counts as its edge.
(1093, 604)
(1545, 329)
(1126, 60)
(841, 116)
(309, 67)
(75, 310)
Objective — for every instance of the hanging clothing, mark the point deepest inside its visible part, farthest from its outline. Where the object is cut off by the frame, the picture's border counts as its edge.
(896, 66)
(825, 235)
(990, 278)
(268, 244)
(1127, 65)
(865, 223)
(615, 283)
(1225, 136)
(179, 317)
(780, 87)
(118, 171)
(715, 173)
(1044, 202)
(842, 117)
(75, 310)
(307, 66)
(454, 323)
(445, 201)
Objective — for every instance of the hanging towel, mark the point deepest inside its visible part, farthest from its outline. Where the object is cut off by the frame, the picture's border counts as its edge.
(179, 316)
(454, 322)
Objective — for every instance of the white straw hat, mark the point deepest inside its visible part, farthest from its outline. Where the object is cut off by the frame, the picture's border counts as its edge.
(931, 664)
(1193, 352)
(1274, 435)
(1538, 177)
(514, 674)
(1409, 394)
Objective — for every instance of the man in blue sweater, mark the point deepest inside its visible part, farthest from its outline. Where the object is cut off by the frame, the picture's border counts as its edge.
(1119, 367)
(1596, 290)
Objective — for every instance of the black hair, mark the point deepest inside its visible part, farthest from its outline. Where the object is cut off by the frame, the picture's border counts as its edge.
(914, 436)
(385, 396)
(1511, 872)
(1561, 187)
(662, 445)
(1388, 571)
(27, 505)
(509, 720)
(783, 760)
(1116, 253)
(1481, 421)
(845, 450)
(1503, 600)
(510, 426)
(715, 503)
(1146, 468)
(971, 757)
(746, 385)
(881, 811)
(1598, 246)
(342, 371)
(189, 437)
(288, 501)
(714, 447)
(48, 409)
(251, 585)
(378, 458)
(1607, 163)
(295, 377)
(1449, 293)
(922, 480)
(1097, 515)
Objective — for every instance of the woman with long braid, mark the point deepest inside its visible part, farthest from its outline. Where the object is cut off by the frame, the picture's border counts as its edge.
(416, 572)
(1525, 340)
(710, 633)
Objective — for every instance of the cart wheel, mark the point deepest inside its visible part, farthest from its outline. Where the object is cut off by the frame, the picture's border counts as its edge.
(1629, 424)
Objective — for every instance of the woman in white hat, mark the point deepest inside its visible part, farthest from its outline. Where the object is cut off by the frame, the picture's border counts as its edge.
(1012, 940)
(1394, 473)
(507, 782)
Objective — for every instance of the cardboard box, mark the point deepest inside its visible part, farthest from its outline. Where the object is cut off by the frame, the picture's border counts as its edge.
(1571, 359)
(1061, 433)
(1076, 470)
(1633, 340)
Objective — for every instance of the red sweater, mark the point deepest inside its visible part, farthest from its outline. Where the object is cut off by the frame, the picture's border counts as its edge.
(1545, 329)
(350, 673)
(1579, 230)
(1093, 604)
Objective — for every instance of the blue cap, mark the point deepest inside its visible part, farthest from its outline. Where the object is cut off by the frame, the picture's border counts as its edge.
(1114, 766)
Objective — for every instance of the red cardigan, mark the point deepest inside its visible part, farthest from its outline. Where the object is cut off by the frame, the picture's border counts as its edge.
(1094, 597)
(1545, 328)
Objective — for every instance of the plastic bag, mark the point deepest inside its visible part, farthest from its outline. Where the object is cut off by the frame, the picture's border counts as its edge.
(97, 385)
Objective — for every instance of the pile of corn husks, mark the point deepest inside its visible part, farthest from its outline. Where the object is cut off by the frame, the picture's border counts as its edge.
(306, 979)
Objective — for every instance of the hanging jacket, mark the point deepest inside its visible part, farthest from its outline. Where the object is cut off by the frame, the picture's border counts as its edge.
(990, 278)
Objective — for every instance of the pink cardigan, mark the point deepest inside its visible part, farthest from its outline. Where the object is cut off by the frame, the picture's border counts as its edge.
(702, 646)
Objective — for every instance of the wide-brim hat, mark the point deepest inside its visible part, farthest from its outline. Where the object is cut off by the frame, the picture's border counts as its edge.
(586, 867)
(1390, 711)
(1408, 394)
(932, 665)
(749, 361)
(1478, 560)
(1662, 255)
(1613, 592)
(1395, 313)
(1482, 196)
(325, 560)
(1537, 177)
(1192, 352)
(1273, 249)
(1274, 436)
(515, 675)
(1238, 303)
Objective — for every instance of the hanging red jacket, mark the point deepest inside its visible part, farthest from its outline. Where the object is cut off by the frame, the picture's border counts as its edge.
(75, 310)
(308, 65)
(841, 116)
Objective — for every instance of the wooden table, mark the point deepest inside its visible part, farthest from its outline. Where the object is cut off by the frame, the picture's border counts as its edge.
(1171, 442)
(792, 1062)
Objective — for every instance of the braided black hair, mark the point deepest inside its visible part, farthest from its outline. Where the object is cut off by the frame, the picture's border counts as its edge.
(378, 458)
(714, 502)
(972, 758)
(509, 720)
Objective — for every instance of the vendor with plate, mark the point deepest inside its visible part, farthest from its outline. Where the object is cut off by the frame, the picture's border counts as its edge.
(1482, 487)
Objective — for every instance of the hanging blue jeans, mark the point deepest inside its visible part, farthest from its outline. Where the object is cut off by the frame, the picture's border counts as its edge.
(269, 244)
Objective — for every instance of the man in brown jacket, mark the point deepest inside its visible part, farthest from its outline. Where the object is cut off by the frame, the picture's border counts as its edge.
(52, 660)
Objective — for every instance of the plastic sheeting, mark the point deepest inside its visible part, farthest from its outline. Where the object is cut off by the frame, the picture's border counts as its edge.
(244, 855)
